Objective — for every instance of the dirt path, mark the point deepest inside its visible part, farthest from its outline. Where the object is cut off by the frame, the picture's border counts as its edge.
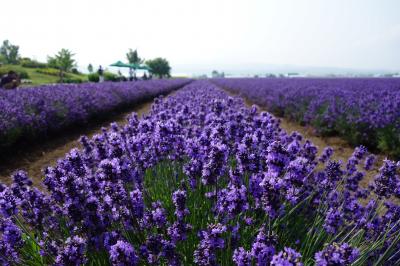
(34, 158)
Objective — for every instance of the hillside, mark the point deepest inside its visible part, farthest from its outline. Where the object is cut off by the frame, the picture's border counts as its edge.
(39, 76)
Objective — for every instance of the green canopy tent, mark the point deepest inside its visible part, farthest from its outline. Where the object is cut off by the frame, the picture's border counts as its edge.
(144, 67)
(131, 66)
(120, 64)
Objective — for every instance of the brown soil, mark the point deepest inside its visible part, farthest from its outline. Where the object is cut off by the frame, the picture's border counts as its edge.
(36, 156)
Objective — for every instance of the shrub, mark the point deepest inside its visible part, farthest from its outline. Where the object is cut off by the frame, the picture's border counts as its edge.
(75, 71)
(72, 80)
(93, 77)
(49, 71)
(108, 76)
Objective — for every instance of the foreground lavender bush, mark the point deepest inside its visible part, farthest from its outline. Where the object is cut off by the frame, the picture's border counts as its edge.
(202, 180)
(32, 112)
(363, 111)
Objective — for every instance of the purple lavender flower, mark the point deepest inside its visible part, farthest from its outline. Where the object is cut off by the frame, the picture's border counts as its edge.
(155, 217)
(232, 200)
(122, 253)
(326, 154)
(296, 176)
(169, 253)
(294, 148)
(179, 200)
(210, 241)
(359, 152)
(111, 238)
(215, 164)
(153, 248)
(263, 247)
(387, 181)
(353, 181)
(309, 151)
(8, 203)
(336, 254)
(241, 257)
(277, 158)
(178, 231)
(333, 220)
(136, 198)
(73, 252)
(11, 242)
(369, 162)
(11, 233)
(21, 182)
(9, 255)
(287, 257)
(271, 197)
(355, 158)
(333, 174)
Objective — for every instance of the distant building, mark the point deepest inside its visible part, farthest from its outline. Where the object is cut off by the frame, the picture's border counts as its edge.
(292, 75)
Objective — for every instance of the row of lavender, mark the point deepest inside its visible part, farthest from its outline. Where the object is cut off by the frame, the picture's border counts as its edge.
(202, 180)
(30, 112)
(363, 111)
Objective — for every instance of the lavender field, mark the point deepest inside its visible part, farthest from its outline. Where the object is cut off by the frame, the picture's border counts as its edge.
(202, 179)
(362, 111)
(207, 133)
(30, 113)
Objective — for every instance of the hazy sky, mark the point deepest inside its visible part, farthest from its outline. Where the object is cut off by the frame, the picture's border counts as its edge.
(337, 33)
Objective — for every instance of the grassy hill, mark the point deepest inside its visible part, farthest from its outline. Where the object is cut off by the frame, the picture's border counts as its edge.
(39, 76)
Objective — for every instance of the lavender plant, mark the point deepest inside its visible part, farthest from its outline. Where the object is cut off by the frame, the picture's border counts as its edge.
(28, 113)
(202, 180)
(365, 111)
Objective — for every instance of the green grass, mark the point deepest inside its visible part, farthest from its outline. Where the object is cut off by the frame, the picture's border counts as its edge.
(39, 78)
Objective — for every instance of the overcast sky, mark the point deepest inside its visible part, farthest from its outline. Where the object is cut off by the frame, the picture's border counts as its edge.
(356, 34)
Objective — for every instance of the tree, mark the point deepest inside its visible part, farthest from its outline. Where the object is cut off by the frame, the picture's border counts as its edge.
(52, 62)
(2, 59)
(159, 66)
(9, 52)
(63, 61)
(90, 68)
(133, 57)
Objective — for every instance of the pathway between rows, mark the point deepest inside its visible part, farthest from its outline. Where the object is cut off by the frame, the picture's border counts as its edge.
(37, 156)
